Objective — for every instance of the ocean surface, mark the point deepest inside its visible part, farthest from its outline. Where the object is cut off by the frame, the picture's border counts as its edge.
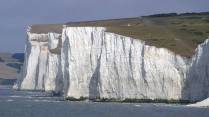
(39, 104)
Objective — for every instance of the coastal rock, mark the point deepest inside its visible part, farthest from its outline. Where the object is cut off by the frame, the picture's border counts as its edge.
(34, 68)
(99, 64)
(41, 69)
(204, 103)
(90, 62)
(53, 79)
(197, 82)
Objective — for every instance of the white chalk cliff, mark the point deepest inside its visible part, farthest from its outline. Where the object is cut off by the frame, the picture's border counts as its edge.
(197, 81)
(90, 62)
(106, 65)
(204, 103)
(41, 70)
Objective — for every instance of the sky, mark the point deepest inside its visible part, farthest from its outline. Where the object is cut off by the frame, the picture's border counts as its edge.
(17, 15)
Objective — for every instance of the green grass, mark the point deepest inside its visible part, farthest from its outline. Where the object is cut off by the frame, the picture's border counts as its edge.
(179, 33)
(46, 28)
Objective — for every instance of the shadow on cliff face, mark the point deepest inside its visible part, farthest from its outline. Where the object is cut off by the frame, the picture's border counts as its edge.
(66, 74)
(59, 82)
(95, 82)
(94, 87)
(197, 82)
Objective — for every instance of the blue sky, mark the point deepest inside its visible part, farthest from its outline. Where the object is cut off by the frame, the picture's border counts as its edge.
(16, 15)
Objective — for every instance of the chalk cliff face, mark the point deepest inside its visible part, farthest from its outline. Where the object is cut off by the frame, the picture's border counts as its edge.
(90, 62)
(53, 79)
(41, 69)
(197, 82)
(35, 62)
(106, 65)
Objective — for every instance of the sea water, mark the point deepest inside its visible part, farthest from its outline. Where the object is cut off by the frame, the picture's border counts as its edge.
(40, 104)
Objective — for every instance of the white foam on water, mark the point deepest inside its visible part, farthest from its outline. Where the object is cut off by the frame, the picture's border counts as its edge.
(137, 105)
(16, 96)
(51, 101)
(10, 100)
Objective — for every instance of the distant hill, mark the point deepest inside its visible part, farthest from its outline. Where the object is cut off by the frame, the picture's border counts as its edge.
(18, 56)
(10, 65)
(1, 60)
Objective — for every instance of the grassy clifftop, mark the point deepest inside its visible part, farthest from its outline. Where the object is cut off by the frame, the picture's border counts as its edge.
(178, 33)
(46, 28)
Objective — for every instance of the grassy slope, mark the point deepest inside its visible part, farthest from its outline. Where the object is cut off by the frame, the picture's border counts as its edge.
(181, 34)
(178, 33)
(45, 28)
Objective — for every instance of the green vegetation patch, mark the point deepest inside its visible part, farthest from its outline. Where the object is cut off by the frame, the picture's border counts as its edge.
(76, 99)
(171, 101)
(130, 100)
